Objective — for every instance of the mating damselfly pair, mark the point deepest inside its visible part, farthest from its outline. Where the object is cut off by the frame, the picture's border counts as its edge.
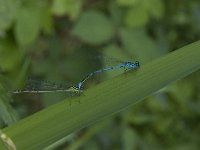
(78, 88)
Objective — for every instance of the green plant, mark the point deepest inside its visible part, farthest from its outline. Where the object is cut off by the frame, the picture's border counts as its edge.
(51, 124)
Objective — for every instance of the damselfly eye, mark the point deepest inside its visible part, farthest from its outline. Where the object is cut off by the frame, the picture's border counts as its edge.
(137, 63)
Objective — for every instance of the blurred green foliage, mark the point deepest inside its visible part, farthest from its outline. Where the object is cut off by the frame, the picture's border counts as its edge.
(58, 40)
(94, 34)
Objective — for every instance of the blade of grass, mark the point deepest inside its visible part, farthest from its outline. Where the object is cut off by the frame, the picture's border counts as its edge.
(51, 124)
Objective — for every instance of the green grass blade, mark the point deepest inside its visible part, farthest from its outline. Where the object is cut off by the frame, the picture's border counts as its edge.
(51, 124)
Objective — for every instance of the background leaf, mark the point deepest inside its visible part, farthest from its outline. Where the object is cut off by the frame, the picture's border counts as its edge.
(8, 11)
(27, 25)
(136, 17)
(126, 2)
(139, 44)
(7, 113)
(93, 27)
(9, 50)
(70, 7)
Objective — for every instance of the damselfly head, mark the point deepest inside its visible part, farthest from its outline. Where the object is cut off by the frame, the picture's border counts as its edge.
(137, 64)
(133, 64)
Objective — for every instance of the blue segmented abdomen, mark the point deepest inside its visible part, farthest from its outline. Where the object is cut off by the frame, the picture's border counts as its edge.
(126, 66)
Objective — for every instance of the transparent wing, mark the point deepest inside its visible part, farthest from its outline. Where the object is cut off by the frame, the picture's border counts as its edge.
(32, 84)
